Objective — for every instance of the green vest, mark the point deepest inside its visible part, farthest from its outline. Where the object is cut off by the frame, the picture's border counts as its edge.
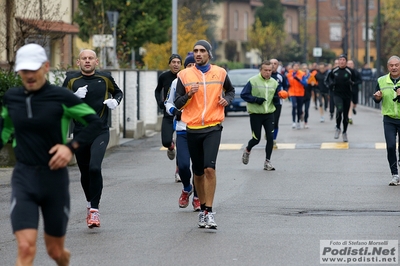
(262, 88)
(389, 107)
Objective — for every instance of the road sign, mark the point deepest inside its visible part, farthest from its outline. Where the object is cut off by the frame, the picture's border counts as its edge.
(104, 40)
(317, 52)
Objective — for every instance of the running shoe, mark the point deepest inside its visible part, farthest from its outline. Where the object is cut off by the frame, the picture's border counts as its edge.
(331, 116)
(196, 204)
(294, 125)
(210, 221)
(305, 125)
(171, 151)
(275, 146)
(202, 219)
(354, 111)
(177, 178)
(245, 157)
(298, 125)
(350, 121)
(395, 180)
(344, 135)
(87, 215)
(94, 219)
(184, 198)
(337, 133)
(322, 120)
(268, 166)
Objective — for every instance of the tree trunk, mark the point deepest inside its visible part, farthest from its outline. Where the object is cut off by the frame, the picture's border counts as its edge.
(10, 22)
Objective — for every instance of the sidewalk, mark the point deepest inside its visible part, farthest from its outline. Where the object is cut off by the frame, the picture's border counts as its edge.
(6, 172)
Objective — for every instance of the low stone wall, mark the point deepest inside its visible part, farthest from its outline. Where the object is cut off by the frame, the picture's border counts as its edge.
(7, 157)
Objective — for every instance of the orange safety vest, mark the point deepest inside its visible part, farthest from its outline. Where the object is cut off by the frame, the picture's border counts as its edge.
(295, 88)
(203, 109)
(312, 80)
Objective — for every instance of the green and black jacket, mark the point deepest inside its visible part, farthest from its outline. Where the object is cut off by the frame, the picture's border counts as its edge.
(39, 120)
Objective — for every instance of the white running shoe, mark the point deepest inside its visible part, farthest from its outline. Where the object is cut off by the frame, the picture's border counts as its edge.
(268, 166)
(337, 133)
(202, 219)
(345, 139)
(210, 221)
(245, 156)
(177, 178)
(395, 180)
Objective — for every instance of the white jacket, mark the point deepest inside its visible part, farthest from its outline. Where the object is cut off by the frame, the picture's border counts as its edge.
(169, 105)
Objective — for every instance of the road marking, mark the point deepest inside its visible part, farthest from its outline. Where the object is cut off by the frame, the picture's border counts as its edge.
(380, 146)
(334, 145)
(286, 146)
(225, 146)
(293, 146)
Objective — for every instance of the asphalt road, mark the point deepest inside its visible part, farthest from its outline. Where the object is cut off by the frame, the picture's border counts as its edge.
(322, 189)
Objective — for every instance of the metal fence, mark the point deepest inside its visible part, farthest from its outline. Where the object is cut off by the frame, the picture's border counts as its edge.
(365, 96)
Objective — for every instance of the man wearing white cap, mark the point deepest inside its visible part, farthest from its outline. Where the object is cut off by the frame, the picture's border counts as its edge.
(38, 115)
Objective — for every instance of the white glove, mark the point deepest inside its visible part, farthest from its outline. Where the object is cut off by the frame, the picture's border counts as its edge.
(111, 103)
(81, 92)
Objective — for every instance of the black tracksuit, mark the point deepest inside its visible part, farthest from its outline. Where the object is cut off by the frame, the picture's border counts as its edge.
(100, 86)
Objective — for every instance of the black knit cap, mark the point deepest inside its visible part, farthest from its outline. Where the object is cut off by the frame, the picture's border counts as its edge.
(343, 56)
(173, 56)
(189, 59)
(206, 45)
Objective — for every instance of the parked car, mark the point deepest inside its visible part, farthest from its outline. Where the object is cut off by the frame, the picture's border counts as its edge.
(239, 78)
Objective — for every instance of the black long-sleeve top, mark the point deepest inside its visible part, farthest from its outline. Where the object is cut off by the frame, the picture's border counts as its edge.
(162, 89)
(100, 86)
(40, 119)
(341, 80)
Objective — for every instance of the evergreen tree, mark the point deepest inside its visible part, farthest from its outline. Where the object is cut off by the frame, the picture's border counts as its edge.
(271, 12)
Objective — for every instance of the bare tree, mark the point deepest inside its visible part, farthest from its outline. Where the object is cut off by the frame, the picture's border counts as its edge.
(29, 21)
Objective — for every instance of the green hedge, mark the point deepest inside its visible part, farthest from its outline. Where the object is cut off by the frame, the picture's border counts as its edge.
(8, 79)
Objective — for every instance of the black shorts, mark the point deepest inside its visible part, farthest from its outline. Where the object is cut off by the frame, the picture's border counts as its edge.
(38, 186)
(203, 149)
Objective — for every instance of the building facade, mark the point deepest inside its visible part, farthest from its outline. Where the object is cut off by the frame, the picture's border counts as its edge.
(340, 25)
(47, 22)
(337, 25)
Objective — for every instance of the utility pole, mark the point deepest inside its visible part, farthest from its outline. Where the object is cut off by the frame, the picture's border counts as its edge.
(317, 27)
(367, 59)
(352, 23)
(305, 32)
(378, 41)
(174, 26)
(346, 29)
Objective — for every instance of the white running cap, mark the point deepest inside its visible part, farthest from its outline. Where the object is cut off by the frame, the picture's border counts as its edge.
(30, 57)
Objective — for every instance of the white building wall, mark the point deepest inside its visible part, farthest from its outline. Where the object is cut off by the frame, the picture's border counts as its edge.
(127, 81)
(148, 104)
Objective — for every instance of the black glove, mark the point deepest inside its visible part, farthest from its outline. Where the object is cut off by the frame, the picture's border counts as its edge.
(398, 96)
(178, 115)
(161, 105)
(260, 100)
